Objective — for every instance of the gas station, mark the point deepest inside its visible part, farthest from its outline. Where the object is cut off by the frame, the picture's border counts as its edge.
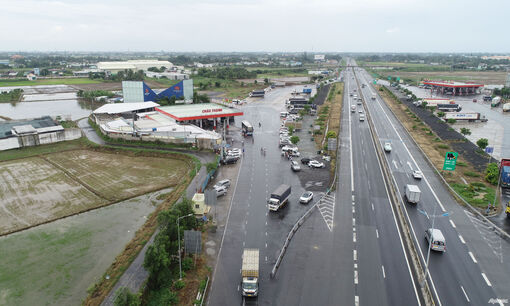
(453, 88)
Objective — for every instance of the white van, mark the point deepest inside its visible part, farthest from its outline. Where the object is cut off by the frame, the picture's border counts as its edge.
(284, 114)
(435, 239)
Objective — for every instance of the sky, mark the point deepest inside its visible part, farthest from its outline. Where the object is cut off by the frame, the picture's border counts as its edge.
(252, 26)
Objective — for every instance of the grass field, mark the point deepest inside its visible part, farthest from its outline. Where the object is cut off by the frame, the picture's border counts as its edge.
(40, 189)
(413, 66)
(70, 81)
(45, 149)
(55, 263)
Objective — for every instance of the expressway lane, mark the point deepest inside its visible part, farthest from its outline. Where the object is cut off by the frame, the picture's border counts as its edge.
(384, 273)
(456, 275)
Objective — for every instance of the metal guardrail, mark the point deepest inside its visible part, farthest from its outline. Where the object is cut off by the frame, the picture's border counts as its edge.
(205, 292)
(396, 202)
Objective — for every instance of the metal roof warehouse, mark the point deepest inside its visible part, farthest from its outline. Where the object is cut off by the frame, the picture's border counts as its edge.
(198, 111)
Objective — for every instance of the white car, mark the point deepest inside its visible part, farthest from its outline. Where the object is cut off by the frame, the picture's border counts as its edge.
(223, 183)
(360, 111)
(235, 154)
(221, 191)
(306, 197)
(316, 164)
(417, 174)
(387, 147)
(295, 166)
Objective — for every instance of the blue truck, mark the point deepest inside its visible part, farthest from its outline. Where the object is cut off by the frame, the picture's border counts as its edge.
(307, 90)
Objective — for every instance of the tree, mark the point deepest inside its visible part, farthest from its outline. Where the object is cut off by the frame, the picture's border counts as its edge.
(266, 81)
(291, 130)
(482, 143)
(217, 84)
(440, 114)
(255, 82)
(126, 298)
(465, 131)
(294, 139)
(492, 173)
(331, 134)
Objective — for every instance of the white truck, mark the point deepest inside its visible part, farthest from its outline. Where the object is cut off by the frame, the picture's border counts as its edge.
(250, 273)
(506, 107)
(279, 197)
(374, 96)
(412, 194)
(471, 117)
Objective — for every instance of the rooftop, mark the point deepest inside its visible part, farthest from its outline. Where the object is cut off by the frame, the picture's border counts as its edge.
(36, 123)
(118, 108)
(451, 84)
(198, 111)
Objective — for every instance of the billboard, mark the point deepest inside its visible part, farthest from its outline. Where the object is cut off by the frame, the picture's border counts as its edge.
(319, 57)
(138, 91)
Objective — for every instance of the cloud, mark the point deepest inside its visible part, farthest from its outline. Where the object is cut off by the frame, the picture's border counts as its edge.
(393, 30)
(57, 28)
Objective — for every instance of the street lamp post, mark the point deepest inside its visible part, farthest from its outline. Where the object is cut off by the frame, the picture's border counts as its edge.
(179, 241)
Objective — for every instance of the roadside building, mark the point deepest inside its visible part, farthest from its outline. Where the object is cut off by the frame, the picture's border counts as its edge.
(138, 91)
(454, 88)
(135, 65)
(32, 132)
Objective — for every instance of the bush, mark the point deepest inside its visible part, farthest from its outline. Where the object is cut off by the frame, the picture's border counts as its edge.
(471, 174)
(465, 131)
(331, 134)
(294, 139)
(492, 173)
(211, 166)
(451, 121)
(482, 143)
(179, 284)
(163, 296)
(187, 263)
(443, 146)
(124, 297)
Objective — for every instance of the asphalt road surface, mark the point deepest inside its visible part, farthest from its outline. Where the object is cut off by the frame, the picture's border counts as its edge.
(473, 270)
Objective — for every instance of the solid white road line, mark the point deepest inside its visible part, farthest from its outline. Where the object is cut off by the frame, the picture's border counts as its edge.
(465, 294)
(486, 280)
(473, 257)
(350, 151)
(462, 239)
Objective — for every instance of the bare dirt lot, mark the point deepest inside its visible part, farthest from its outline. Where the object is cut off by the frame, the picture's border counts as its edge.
(40, 189)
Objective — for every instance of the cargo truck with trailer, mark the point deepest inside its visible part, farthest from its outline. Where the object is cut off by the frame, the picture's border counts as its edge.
(279, 197)
(471, 117)
(412, 194)
(250, 273)
(449, 107)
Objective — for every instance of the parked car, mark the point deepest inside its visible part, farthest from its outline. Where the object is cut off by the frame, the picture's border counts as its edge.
(360, 111)
(221, 191)
(387, 146)
(316, 164)
(305, 160)
(295, 166)
(229, 160)
(306, 197)
(417, 174)
(223, 183)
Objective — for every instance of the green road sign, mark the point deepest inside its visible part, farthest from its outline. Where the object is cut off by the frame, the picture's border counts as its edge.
(398, 78)
(450, 160)
(389, 78)
(375, 82)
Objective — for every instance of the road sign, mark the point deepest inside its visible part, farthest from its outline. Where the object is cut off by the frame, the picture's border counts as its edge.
(331, 144)
(489, 150)
(375, 82)
(450, 160)
(389, 78)
(398, 78)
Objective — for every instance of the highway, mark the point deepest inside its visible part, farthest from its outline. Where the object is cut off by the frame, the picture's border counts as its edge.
(473, 269)
(359, 259)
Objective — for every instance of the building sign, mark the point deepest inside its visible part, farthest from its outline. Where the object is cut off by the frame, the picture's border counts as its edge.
(450, 160)
(212, 110)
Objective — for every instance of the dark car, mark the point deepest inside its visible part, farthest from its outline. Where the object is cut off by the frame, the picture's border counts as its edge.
(305, 160)
(229, 160)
